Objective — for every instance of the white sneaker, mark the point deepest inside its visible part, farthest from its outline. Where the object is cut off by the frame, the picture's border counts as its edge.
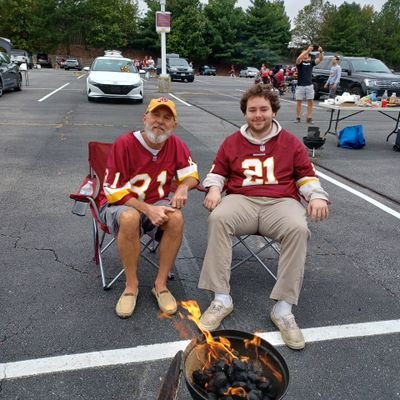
(290, 332)
(213, 316)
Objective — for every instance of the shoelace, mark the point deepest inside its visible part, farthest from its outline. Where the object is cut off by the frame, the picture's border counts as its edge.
(216, 308)
(289, 322)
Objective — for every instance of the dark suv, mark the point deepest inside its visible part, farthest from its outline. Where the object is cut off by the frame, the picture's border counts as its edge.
(360, 75)
(10, 77)
(43, 60)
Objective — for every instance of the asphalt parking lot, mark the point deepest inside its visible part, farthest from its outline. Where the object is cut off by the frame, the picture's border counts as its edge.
(59, 335)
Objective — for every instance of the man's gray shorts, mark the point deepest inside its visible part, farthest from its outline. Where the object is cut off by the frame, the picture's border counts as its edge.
(304, 92)
(110, 215)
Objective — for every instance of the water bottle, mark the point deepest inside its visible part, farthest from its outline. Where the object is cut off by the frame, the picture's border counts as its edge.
(393, 98)
(384, 99)
(87, 188)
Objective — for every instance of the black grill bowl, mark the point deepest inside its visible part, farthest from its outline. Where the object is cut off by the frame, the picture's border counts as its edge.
(312, 142)
(195, 357)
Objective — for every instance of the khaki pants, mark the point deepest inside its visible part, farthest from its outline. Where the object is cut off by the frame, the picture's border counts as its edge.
(281, 219)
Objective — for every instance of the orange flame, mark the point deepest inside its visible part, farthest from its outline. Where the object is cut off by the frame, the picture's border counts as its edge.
(217, 349)
(278, 376)
(236, 391)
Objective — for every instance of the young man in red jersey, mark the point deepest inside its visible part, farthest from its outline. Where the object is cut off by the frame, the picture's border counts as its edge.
(141, 167)
(264, 171)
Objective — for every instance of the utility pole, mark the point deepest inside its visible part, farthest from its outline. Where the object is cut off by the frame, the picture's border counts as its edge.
(164, 81)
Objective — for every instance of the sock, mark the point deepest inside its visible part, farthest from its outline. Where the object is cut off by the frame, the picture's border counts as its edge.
(225, 299)
(282, 308)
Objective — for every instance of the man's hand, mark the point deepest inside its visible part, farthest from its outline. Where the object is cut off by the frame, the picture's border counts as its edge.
(318, 209)
(213, 198)
(158, 215)
(180, 197)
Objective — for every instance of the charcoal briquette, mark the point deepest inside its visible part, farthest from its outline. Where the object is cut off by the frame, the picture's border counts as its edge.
(255, 395)
(220, 379)
(239, 365)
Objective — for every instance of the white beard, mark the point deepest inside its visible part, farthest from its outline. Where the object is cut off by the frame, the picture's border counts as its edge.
(156, 139)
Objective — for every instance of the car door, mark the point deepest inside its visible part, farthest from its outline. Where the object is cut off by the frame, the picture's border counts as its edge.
(346, 82)
(6, 71)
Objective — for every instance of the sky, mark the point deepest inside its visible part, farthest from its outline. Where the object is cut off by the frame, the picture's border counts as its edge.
(294, 6)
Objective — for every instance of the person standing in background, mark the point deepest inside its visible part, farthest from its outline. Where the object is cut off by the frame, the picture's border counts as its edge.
(305, 63)
(334, 77)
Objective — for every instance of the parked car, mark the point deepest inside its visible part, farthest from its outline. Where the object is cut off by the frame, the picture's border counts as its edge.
(207, 70)
(10, 76)
(248, 72)
(113, 76)
(72, 63)
(360, 76)
(22, 56)
(44, 60)
(177, 68)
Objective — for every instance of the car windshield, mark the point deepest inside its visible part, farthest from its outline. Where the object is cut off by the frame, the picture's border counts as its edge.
(114, 65)
(18, 52)
(252, 69)
(178, 62)
(370, 65)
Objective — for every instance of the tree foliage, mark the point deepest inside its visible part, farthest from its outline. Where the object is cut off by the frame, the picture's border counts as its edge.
(219, 31)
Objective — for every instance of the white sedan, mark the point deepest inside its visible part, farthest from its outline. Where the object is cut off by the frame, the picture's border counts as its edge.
(249, 72)
(114, 77)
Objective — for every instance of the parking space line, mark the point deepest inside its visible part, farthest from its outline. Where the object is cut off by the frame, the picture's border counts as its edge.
(159, 351)
(54, 91)
(177, 98)
(359, 194)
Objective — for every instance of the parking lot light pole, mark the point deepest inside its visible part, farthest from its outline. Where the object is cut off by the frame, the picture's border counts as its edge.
(164, 82)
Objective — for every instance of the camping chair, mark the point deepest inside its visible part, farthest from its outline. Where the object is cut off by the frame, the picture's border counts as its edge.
(84, 198)
(254, 244)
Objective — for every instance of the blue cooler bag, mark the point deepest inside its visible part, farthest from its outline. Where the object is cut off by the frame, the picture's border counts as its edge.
(351, 137)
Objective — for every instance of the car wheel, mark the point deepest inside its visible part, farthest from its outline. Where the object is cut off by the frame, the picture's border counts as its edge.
(1, 88)
(356, 90)
(190, 79)
(19, 83)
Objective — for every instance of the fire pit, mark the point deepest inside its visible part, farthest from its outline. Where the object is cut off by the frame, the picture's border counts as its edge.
(234, 365)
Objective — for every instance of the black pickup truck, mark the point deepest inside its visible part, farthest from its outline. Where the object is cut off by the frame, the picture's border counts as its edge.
(360, 76)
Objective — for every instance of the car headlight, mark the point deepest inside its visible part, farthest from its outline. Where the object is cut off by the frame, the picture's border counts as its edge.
(191, 70)
(370, 82)
(91, 82)
(173, 69)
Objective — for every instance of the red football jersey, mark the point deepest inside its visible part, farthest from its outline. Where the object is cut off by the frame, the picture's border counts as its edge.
(269, 170)
(133, 171)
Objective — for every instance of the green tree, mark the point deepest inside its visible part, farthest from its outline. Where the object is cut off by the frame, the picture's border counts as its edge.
(310, 22)
(223, 23)
(147, 38)
(187, 30)
(112, 22)
(385, 36)
(266, 34)
(347, 30)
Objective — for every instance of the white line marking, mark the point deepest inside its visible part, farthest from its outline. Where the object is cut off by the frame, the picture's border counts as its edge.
(177, 98)
(73, 362)
(81, 76)
(54, 91)
(361, 195)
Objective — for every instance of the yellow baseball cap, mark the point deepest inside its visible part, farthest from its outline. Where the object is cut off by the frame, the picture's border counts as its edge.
(162, 101)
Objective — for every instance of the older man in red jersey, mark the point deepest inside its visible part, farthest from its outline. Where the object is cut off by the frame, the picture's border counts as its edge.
(141, 168)
(264, 170)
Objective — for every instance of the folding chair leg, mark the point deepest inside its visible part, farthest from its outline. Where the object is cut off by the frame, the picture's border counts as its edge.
(270, 243)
